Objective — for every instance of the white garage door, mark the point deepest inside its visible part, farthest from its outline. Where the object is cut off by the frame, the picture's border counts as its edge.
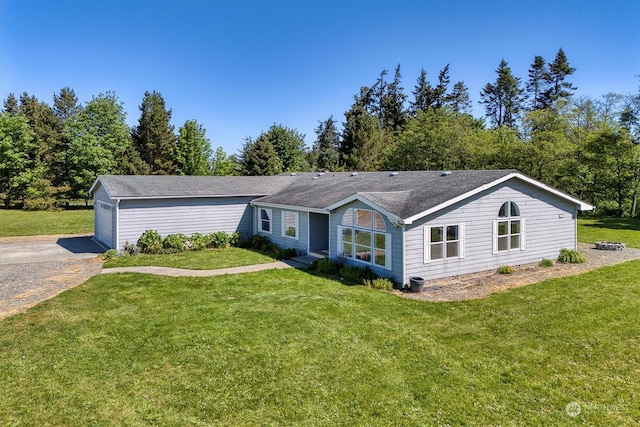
(104, 223)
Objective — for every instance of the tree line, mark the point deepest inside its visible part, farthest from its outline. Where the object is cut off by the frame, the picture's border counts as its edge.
(586, 147)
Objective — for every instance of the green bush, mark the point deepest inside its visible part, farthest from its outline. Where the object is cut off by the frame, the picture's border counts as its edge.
(130, 249)
(219, 239)
(235, 239)
(174, 243)
(506, 269)
(326, 266)
(357, 275)
(380, 283)
(110, 254)
(570, 256)
(197, 242)
(546, 263)
(150, 242)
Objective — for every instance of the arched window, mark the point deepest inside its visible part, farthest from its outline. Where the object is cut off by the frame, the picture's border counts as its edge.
(362, 236)
(508, 230)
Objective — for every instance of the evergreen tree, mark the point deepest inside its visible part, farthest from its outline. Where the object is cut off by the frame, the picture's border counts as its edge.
(536, 86)
(327, 145)
(289, 146)
(154, 137)
(194, 149)
(502, 99)
(65, 104)
(558, 86)
(423, 94)
(363, 141)
(392, 98)
(458, 100)
(440, 92)
(65, 108)
(259, 158)
(11, 107)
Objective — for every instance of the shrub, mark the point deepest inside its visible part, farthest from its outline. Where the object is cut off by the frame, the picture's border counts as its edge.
(150, 242)
(380, 283)
(570, 256)
(110, 254)
(174, 243)
(219, 239)
(326, 266)
(261, 243)
(357, 275)
(130, 249)
(197, 242)
(285, 253)
(546, 263)
(506, 269)
(235, 239)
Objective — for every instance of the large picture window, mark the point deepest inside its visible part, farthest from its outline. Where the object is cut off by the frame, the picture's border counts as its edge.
(443, 242)
(362, 236)
(508, 229)
(290, 224)
(265, 220)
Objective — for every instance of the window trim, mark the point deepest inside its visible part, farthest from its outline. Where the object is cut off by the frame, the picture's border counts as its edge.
(283, 230)
(428, 243)
(509, 219)
(269, 221)
(372, 230)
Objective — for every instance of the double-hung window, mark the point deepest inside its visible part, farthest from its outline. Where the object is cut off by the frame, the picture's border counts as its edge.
(508, 229)
(362, 236)
(443, 242)
(264, 220)
(290, 224)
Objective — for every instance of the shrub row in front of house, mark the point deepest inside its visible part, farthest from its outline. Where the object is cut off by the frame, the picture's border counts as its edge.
(152, 243)
(360, 276)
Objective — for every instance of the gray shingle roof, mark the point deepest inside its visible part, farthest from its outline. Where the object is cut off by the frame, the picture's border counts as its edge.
(403, 194)
(163, 186)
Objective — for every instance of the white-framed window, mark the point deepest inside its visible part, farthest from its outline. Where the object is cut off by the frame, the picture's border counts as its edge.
(508, 229)
(362, 237)
(290, 224)
(264, 220)
(443, 242)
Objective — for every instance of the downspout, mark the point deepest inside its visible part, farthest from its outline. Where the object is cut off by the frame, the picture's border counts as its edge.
(404, 258)
(308, 233)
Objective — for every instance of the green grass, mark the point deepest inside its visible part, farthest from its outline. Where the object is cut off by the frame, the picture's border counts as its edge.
(287, 348)
(197, 260)
(15, 222)
(626, 230)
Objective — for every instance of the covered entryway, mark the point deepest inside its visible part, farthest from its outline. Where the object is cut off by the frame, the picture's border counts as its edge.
(104, 223)
(319, 233)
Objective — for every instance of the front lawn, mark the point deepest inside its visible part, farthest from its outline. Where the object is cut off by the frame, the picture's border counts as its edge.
(16, 222)
(195, 260)
(626, 230)
(287, 348)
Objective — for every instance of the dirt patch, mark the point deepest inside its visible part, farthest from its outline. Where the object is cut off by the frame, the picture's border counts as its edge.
(478, 285)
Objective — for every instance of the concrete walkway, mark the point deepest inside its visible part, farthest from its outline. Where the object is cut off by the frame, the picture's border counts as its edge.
(181, 272)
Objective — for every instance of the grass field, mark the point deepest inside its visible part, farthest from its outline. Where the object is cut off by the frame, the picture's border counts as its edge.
(196, 260)
(626, 230)
(16, 222)
(287, 348)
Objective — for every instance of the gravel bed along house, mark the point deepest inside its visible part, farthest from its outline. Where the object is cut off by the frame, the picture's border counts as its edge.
(478, 285)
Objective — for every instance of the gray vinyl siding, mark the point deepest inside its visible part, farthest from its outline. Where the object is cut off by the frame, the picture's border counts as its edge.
(187, 216)
(550, 225)
(318, 231)
(395, 273)
(286, 242)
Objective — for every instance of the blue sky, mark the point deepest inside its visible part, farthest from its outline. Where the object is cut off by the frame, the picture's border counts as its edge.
(240, 66)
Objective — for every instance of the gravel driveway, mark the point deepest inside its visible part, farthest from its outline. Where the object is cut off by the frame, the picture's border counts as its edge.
(33, 269)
